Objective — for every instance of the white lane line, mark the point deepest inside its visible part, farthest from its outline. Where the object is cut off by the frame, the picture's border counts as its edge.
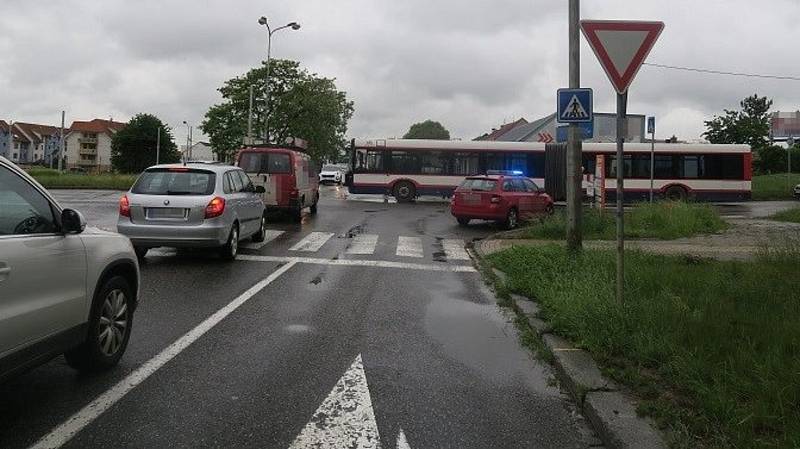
(361, 263)
(66, 430)
(402, 443)
(345, 418)
(269, 235)
(454, 249)
(409, 246)
(363, 244)
(312, 242)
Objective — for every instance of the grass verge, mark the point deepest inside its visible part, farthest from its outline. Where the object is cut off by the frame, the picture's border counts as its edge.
(712, 347)
(661, 220)
(72, 181)
(791, 215)
(774, 187)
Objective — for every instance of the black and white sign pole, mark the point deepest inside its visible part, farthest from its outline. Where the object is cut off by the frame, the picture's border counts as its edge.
(622, 106)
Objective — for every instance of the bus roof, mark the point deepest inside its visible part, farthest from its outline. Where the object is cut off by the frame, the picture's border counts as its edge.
(481, 145)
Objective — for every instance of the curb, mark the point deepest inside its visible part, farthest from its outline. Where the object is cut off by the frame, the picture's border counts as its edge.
(611, 412)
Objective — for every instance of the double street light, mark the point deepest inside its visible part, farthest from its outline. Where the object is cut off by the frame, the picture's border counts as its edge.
(291, 25)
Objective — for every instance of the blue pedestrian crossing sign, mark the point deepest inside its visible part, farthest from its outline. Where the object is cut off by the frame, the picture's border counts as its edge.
(574, 106)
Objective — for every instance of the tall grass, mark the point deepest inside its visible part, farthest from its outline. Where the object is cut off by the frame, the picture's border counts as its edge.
(791, 215)
(774, 187)
(713, 347)
(662, 220)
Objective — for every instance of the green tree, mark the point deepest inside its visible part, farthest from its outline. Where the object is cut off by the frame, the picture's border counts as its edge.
(750, 125)
(301, 104)
(428, 129)
(133, 148)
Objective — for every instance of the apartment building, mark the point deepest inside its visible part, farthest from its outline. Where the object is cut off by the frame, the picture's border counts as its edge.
(88, 144)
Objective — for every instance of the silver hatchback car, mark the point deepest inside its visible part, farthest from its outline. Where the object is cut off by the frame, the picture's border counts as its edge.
(192, 206)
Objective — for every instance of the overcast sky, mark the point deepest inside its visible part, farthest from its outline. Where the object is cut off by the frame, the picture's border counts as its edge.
(471, 64)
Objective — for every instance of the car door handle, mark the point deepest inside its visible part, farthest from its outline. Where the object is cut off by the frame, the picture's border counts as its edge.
(5, 270)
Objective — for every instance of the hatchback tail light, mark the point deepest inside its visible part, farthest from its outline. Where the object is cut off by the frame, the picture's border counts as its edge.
(124, 207)
(495, 199)
(215, 208)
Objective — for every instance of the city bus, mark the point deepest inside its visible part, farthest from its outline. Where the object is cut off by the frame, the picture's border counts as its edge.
(406, 169)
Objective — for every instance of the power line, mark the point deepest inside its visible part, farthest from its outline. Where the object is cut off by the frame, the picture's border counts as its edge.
(720, 72)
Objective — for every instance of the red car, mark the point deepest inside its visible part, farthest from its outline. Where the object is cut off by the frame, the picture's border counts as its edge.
(503, 198)
(287, 175)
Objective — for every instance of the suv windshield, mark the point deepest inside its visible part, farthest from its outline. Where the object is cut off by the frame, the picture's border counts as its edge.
(484, 185)
(175, 181)
(330, 168)
(271, 163)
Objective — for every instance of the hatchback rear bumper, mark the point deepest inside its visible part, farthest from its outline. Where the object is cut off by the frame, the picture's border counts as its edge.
(206, 235)
(492, 213)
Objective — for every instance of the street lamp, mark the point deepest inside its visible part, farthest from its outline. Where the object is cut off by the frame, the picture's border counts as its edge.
(187, 154)
(263, 21)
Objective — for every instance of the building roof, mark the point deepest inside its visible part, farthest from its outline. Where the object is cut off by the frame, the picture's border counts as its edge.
(519, 133)
(496, 133)
(42, 130)
(97, 126)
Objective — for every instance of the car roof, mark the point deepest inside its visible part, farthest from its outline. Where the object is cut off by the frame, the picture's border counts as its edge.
(216, 168)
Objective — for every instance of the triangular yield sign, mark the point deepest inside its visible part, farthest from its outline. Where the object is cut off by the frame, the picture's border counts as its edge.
(621, 47)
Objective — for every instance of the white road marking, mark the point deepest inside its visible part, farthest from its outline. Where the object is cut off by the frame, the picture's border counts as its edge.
(409, 246)
(454, 249)
(345, 418)
(312, 242)
(361, 263)
(402, 443)
(69, 428)
(269, 235)
(363, 244)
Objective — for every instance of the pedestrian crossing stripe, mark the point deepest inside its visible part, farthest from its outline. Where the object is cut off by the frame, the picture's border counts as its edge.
(574, 109)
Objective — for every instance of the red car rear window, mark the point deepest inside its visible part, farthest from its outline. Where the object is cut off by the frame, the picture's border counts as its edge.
(272, 163)
(483, 185)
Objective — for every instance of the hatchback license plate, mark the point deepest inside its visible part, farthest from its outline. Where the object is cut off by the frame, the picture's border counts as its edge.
(471, 198)
(171, 213)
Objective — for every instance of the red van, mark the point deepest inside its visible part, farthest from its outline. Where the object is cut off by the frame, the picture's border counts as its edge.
(287, 174)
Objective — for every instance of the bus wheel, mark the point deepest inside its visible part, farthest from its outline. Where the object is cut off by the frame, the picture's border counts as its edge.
(405, 192)
(676, 193)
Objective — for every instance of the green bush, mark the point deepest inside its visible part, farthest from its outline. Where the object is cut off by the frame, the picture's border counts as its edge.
(775, 187)
(72, 181)
(712, 347)
(662, 220)
(791, 215)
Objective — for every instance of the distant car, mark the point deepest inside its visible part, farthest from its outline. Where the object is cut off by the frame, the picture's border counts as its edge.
(64, 288)
(330, 174)
(503, 198)
(192, 206)
(287, 176)
(797, 191)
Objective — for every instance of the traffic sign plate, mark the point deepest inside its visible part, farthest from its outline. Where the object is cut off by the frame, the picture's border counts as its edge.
(586, 132)
(621, 47)
(574, 106)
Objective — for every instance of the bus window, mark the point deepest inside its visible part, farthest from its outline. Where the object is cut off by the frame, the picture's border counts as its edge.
(535, 165)
(433, 163)
(692, 167)
(404, 162)
(464, 164)
(517, 162)
(665, 167)
(369, 161)
(495, 161)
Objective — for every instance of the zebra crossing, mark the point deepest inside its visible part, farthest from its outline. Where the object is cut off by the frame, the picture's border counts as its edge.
(367, 244)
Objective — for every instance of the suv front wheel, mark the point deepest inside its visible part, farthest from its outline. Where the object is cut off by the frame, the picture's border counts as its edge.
(109, 328)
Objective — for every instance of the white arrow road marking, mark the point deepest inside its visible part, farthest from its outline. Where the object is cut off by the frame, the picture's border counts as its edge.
(312, 242)
(345, 418)
(401, 440)
(409, 246)
(454, 249)
(64, 432)
(363, 244)
(269, 235)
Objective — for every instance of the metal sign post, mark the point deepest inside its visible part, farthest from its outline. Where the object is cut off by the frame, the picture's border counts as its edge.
(651, 128)
(789, 145)
(621, 47)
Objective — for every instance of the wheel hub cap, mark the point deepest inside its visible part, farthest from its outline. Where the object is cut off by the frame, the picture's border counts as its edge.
(113, 322)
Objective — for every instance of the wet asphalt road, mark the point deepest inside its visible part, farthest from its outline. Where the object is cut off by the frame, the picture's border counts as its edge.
(441, 361)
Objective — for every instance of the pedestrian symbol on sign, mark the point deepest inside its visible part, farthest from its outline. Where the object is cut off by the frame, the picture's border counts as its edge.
(574, 106)
(575, 109)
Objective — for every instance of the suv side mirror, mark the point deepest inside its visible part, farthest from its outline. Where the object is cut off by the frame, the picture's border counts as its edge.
(72, 221)
(260, 189)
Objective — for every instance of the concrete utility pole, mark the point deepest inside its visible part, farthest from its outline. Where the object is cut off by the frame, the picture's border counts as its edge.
(61, 142)
(574, 145)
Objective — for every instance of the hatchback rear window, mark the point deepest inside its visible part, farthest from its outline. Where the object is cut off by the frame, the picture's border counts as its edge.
(484, 185)
(272, 163)
(169, 181)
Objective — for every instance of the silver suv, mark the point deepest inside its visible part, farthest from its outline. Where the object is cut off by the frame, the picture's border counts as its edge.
(193, 205)
(64, 288)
